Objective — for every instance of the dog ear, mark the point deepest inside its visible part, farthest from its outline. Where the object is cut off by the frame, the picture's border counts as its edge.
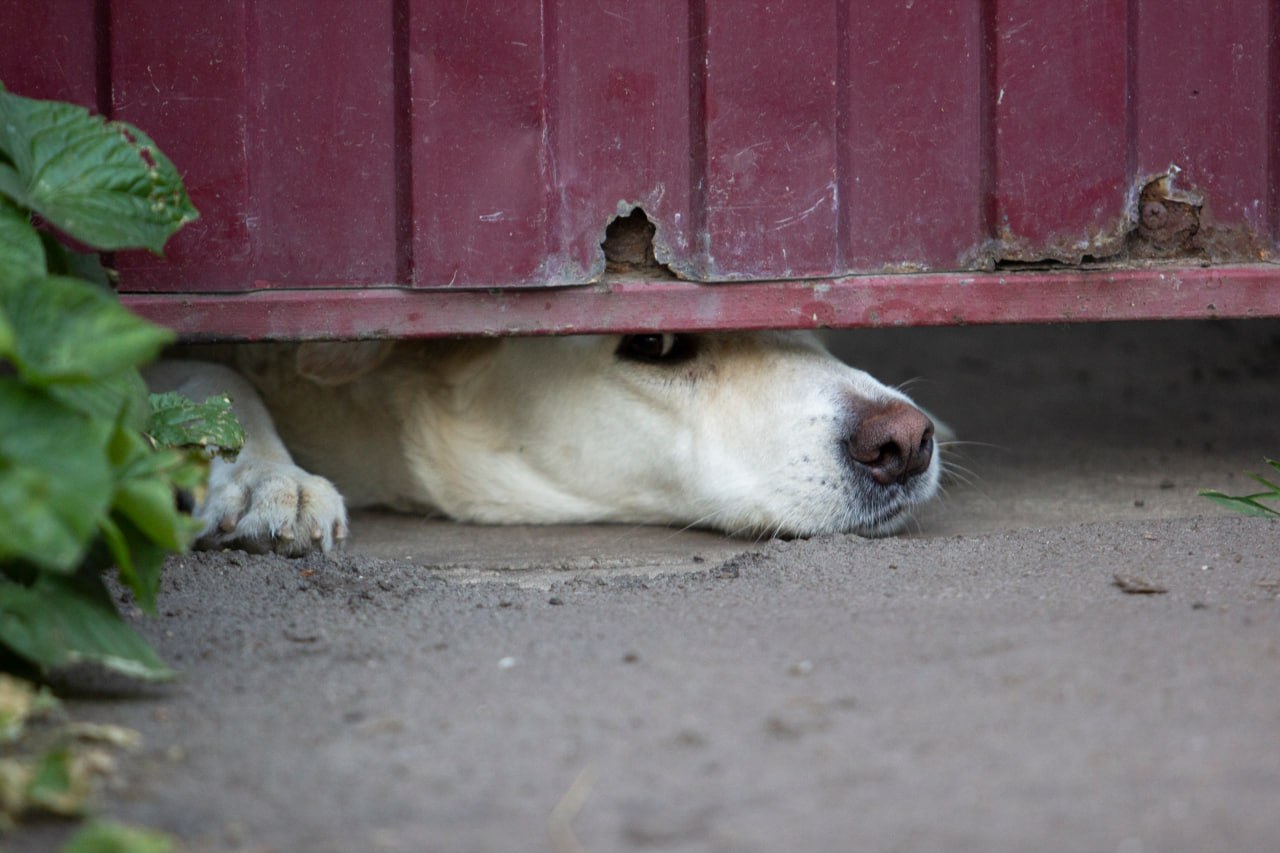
(340, 362)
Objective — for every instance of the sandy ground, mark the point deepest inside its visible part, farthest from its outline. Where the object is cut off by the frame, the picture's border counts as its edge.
(992, 681)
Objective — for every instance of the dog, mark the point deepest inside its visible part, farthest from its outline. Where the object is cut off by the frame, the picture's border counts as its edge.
(751, 433)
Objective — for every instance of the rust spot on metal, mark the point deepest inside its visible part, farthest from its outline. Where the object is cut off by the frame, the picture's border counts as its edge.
(1009, 251)
(1231, 243)
(1167, 219)
(1178, 223)
(1165, 222)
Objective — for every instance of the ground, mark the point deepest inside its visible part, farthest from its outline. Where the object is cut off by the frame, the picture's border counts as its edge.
(1070, 651)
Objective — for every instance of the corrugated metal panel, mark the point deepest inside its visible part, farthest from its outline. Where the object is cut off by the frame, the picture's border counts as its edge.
(410, 143)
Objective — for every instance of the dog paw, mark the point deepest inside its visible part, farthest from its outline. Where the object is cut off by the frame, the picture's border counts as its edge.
(271, 507)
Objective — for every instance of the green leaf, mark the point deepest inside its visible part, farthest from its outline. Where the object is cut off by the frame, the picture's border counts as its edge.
(135, 456)
(10, 183)
(192, 474)
(1275, 490)
(63, 620)
(55, 481)
(178, 422)
(85, 265)
(145, 523)
(8, 338)
(59, 784)
(21, 252)
(1246, 504)
(149, 503)
(139, 559)
(104, 183)
(70, 330)
(111, 837)
(1250, 504)
(121, 396)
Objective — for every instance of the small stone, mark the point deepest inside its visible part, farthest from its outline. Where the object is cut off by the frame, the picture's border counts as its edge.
(1134, 585)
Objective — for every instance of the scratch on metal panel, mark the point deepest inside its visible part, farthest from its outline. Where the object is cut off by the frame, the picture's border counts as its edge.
(827, 196)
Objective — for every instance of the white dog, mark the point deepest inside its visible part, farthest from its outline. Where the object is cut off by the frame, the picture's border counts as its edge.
(760, 433)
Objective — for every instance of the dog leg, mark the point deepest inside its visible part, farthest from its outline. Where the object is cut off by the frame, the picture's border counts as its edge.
(261, 502)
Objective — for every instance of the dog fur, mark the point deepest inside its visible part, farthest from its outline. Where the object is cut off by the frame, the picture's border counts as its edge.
(760, 433)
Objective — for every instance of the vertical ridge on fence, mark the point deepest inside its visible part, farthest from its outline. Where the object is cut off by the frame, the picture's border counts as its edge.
(553, 235)
(1273, 121)
(402, 128)
(102, 55)
(699, 237)
(1132, 101)
(845, 192)
(988, 61)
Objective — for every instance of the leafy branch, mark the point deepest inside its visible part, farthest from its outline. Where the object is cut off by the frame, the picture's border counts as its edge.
(89, 463)
(1250, 504)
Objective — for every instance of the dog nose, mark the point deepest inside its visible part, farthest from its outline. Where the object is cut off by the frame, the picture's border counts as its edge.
(892, 440)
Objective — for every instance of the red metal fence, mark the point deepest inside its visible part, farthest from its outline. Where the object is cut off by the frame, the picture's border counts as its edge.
(412, 167)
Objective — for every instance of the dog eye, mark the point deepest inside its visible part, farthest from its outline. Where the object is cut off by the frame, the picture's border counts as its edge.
(666, 348)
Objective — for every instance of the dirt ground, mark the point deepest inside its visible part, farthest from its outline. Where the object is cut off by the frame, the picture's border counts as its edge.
(1070, 651)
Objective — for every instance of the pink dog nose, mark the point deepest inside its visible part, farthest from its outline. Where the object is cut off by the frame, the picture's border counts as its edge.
(892, 440)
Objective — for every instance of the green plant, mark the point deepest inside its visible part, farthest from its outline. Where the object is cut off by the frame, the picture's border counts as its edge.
(112, 837)
(1250, 504)
(50, 766)
(84, 482)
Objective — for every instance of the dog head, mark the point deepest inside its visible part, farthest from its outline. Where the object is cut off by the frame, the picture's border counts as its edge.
(760, 433)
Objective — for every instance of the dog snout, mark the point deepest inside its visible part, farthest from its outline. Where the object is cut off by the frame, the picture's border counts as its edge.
(892, 440)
